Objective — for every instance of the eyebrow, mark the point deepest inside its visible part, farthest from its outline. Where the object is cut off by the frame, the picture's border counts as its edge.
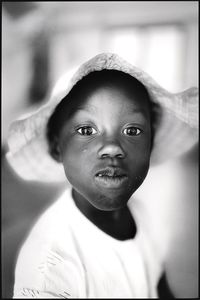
(140, 111)
(92, 109)
(87, 108)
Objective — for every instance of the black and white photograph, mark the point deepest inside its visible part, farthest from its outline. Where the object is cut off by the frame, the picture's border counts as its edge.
(100, 130)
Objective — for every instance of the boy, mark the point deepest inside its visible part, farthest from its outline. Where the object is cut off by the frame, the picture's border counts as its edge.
(103, 130)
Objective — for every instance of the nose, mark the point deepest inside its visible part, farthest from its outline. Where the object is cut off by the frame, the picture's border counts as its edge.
(111, 150)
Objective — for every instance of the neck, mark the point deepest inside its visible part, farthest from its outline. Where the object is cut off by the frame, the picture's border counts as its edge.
(91, 212)
(117, 223)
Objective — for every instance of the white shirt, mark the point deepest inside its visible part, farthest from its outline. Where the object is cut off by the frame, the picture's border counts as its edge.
(67, 256)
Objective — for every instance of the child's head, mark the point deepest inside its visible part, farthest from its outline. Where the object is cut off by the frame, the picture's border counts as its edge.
(114, 88)
(102, 133)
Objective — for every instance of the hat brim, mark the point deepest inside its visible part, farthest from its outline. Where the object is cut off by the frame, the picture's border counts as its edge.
(176, 133)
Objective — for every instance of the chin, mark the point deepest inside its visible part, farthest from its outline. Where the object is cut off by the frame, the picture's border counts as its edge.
(109, 204)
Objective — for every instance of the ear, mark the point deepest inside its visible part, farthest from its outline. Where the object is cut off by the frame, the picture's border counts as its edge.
(54, 149)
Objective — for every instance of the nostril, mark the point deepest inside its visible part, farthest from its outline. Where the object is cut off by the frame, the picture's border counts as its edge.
(105, 155)
(119, 155)
(111, 150)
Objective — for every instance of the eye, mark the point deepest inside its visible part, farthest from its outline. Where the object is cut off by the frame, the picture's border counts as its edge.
(132, 131)
(86, 130)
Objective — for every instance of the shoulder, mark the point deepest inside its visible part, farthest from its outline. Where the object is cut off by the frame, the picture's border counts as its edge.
(47, 260)
(52, 227)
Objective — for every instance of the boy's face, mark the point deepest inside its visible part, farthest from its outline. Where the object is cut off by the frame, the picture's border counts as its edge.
(105, 146)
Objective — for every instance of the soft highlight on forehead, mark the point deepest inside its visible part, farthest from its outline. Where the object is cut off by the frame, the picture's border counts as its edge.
(108, 78)
(98, 79)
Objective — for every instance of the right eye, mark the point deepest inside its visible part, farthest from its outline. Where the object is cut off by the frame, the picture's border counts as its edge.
(86, 130)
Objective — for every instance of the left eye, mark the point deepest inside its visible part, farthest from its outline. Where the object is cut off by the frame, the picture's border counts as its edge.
(132, 131)
(86, 130)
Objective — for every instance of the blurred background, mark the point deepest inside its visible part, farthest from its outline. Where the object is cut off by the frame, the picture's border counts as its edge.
(40, 41)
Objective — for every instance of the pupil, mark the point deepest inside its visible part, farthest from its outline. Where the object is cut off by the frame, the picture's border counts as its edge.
(87, 131)
(131, 131)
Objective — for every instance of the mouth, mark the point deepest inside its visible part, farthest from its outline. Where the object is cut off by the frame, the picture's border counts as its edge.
(111, 177)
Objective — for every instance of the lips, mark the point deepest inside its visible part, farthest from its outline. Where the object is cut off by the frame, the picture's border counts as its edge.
(111, 177)
(111, 172)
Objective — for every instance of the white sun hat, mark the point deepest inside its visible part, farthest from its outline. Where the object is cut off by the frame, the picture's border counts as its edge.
(176, 133)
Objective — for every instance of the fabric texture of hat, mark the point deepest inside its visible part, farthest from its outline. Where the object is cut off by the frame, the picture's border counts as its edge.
(177, 131)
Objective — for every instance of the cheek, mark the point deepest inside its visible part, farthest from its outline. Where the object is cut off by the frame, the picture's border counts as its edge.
(75, 161)
(139, 159)
(139, 150)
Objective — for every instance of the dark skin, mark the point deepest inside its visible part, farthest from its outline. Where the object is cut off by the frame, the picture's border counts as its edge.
(109, 126)
(109, 129)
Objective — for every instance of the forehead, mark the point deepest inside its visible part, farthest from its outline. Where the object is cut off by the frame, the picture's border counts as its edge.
(111, 90)
(114, 99)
